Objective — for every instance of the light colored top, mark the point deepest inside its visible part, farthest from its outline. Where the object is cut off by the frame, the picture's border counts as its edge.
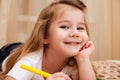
(32, 59)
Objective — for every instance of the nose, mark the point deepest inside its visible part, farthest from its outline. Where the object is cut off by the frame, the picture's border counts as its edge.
(74, 33)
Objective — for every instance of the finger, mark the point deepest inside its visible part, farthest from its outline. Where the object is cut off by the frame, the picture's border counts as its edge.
(88, 48)
(60, 78)
(62, 75)
(83, 47)
(89, 44)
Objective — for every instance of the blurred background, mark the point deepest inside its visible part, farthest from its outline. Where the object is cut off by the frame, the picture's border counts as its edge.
(18, 17)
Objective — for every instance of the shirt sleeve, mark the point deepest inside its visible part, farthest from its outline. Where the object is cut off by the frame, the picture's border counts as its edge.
(19, 73)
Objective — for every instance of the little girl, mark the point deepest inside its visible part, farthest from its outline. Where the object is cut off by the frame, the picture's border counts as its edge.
(59, 44)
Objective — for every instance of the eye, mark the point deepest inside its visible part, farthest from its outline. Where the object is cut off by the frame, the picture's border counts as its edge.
(80, 28)
(65, 27)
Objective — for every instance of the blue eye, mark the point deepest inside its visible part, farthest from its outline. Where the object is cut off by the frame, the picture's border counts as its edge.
(65, 27)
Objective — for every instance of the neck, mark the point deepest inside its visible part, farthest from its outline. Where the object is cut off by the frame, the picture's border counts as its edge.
(52, 62)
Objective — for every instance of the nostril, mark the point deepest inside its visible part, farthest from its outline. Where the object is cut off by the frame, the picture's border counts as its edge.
(74, 35)
(74, 32)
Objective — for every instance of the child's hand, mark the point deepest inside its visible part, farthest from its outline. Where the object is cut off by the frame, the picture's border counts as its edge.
(59, 76)
(84, 64)
(86, 50)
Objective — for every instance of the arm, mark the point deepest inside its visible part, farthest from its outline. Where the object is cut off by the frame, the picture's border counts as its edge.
(56, 76)
(84, 65)
(17, 73)
(9, 78)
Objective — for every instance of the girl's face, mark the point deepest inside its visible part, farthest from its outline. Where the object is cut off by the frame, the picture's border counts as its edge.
(67, 33)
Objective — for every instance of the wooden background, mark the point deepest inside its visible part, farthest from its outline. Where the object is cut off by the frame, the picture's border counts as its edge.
(17, 18)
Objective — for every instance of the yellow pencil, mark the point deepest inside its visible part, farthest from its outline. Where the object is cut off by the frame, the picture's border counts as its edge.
(34, 70)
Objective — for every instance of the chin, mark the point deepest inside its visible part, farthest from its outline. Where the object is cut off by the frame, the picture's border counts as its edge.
(73, 53)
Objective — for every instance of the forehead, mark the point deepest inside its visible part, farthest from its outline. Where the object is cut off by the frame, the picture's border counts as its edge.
(64, 10)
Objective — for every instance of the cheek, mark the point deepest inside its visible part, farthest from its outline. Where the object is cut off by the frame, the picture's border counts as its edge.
(85, 38)
(56, 36)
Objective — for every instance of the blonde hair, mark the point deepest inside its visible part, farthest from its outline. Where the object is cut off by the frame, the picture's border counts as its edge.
(40, 31)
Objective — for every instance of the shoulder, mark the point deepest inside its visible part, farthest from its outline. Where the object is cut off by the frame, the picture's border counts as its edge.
(33, 59)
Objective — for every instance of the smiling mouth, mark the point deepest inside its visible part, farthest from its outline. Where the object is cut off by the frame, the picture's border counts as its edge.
(72, 43)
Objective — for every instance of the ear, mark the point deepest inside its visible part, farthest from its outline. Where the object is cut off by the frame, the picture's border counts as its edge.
(45, 41)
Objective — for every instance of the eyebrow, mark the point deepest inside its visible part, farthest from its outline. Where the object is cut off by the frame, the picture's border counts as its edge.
(82, 23)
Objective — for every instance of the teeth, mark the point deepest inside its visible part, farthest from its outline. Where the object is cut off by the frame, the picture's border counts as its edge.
(72, 42)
